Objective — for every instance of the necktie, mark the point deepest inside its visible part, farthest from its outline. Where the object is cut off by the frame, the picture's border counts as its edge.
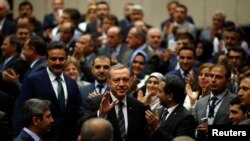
(163, 117)
(60, 93)
(100, 86)
(212, 107)
(121, 121)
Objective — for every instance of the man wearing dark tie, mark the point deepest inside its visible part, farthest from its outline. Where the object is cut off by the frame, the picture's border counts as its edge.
(36, 118)
(126, 114)
(51, 84)
(100, 67)
(174, 119)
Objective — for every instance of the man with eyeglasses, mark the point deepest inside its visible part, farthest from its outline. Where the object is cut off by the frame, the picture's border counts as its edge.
(214, 108)
(100, 68)
(236, 59)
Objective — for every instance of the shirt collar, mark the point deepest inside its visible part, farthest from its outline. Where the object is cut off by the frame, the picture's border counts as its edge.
(52, 77)
(32, 134)
(171, 109)
(124, 100)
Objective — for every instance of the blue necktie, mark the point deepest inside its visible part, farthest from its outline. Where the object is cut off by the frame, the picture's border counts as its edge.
(212, 107)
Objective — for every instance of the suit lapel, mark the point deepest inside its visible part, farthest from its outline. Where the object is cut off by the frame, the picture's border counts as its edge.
(50, 89)
(11, 61)
(222, 108)
(203, 107)
(131, 114)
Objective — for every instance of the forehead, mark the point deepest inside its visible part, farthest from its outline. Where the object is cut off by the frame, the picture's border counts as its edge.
(101, 61)
(117, 73)
(56, 52)
(22, 30)
(245, 81)
(232, 52)
(186, 53)
(218, 70)
(85, 38)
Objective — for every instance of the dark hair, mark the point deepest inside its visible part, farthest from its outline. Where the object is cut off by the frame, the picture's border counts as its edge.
(238, 49)
(102, 57)
(236, 101)
(103, 2)
(22, 26)
(73, 13)
(38, 44)
(25, 3)
(17, 42)
(174, 85)
(188, 48)
(226, 67)
(33, 107)
(113, 18)
(238, 30)
(56, 45)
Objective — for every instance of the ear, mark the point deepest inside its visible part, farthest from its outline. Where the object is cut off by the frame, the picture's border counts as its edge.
(79, 138)
(35, 120)
(170, 97)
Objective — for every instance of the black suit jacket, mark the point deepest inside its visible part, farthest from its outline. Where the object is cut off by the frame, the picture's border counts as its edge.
(136, 118)
(5, 130)
(38, 85)
(179, 123)
(20, 67)
(23, 136)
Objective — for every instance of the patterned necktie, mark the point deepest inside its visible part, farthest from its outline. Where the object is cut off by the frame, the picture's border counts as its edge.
(212, 107)
(60, 93)
(121, 121)
(163, 117)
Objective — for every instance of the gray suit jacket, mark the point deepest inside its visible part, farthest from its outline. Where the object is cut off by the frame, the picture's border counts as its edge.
(222, 115)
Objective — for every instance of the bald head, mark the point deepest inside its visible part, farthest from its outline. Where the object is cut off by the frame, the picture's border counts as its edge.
(96, 129)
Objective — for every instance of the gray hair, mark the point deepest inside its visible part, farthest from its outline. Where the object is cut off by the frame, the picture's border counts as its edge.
(97, 129)
(33, 107)
(183, 138)
(6, 3)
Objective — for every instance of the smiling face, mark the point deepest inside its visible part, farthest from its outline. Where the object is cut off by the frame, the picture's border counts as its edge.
(152, 85)
(72, 71)
(138, 64)
(186, 60)
(56, 61)
(204, 77)
(119, 82)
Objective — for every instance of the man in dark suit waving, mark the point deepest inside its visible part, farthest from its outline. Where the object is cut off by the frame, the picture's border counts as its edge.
(126, 114)
(62, 91)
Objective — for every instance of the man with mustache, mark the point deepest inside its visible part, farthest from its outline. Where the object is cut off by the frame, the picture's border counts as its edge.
(51, 84)
(126, 114)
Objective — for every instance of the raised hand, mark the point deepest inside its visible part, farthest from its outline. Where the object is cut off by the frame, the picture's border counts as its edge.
(10, 76)
(153, 120)
(106, 105)
(93, 94)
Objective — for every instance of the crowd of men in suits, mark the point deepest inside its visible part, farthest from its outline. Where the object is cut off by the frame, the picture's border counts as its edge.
(117, 59)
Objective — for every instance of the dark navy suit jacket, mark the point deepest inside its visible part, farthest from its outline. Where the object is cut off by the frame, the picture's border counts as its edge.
(38, 85)
(23, 136)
